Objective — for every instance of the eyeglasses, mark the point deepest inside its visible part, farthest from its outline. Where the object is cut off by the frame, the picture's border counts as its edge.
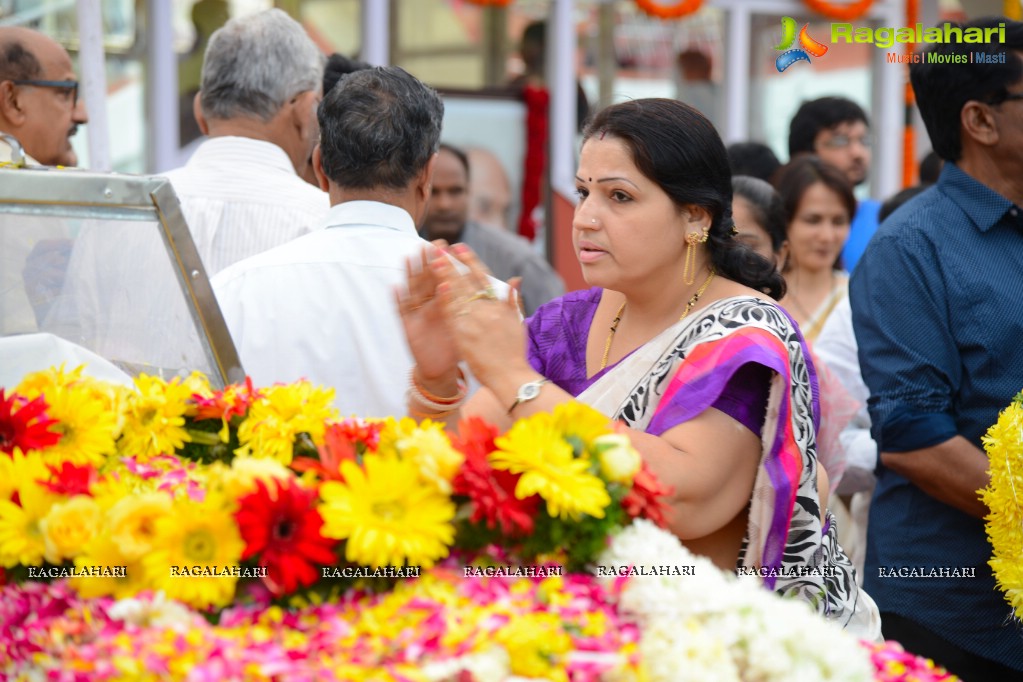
(70, 87)
(843, 141)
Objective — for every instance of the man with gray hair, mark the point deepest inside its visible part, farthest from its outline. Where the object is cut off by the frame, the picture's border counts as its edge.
(242, 191)
(322, 307)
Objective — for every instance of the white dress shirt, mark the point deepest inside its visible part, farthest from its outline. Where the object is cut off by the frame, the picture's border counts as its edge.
(241, 196)
(322, 307)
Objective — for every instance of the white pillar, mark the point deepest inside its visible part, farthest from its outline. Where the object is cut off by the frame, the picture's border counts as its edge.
(737, 75)
(93, 86)
(376, 32)
(888, 120)
(561, 83)
(161, 88)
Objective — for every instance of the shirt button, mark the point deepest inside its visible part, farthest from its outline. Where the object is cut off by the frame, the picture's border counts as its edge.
(1013, 212)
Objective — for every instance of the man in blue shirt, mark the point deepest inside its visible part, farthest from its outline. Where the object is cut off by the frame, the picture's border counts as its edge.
(938, 311)
(836, 129)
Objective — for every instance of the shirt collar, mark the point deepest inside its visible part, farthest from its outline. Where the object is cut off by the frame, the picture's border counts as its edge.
(243, 151)
(373, 213)
(983, 205)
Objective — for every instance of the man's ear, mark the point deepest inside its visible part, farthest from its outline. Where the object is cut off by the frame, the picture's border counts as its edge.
(303, 115)
(424, 184)
(977, 120)
(11, 108)
(200, 118)
(321, 176)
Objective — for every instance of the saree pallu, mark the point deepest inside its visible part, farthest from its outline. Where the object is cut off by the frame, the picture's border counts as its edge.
(681, 372)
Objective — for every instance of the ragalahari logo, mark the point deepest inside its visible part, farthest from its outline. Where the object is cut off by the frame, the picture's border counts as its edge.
(807, 44)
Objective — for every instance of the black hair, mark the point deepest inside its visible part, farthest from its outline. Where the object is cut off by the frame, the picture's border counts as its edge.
(339, 66)
(765, 204)
(930, 168)
(755, 159)
(794, 178)
(675, 146)
(17, 62)
(817, 115)
(458, 153)
(378, 128)
(942, 89)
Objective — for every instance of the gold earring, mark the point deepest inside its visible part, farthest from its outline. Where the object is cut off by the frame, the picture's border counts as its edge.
(692, 239)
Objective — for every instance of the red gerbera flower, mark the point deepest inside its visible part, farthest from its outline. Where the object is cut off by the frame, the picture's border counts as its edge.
(69, 479)
(24, 424)
(644, 499)
(233, 401)
(338, 446)
(280, 525)
(491, 492)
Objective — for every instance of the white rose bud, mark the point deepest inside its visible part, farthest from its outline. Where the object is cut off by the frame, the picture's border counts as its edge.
(619, 461)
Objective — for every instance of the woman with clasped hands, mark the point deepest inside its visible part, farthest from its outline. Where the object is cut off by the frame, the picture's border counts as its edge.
(678, 338)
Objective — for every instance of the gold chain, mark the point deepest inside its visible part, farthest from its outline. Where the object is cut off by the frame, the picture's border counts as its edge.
(618, 316)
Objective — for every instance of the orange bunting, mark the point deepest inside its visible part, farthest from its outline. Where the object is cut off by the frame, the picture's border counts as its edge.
(675, 11)
(841, 11)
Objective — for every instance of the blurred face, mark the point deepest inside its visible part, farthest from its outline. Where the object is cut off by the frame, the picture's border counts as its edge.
(489, 191)
(53, 114)
(818, 231)
(627, 232)
(847, 148)
(448, 208)
(751, 233)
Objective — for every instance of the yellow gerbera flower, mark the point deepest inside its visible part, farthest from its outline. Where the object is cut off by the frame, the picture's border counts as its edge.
(195, 537)
(386, 514)
(104, 552)
(69, 526)
(21, 538)
(283, 412)
(535, 448)
(86, 425)
(580, 421)
(427, 445)
(155, 420)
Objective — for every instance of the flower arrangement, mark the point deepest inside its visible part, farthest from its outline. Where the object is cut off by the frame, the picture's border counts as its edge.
(1004, 498)
(177, 532)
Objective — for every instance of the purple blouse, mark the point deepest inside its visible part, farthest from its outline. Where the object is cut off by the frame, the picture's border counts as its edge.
(557, 349)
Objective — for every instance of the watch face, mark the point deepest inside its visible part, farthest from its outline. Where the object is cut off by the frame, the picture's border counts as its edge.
(530, 391)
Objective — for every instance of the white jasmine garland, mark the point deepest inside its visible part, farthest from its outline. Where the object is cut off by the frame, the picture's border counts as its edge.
(685, 620)
(158, 612)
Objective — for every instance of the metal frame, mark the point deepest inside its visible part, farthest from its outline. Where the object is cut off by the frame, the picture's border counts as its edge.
(97, 195)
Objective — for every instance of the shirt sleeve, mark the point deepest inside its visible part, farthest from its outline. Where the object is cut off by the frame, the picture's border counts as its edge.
(908, 356)
(540, 284)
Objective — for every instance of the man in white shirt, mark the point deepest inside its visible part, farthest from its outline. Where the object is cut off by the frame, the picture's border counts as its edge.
(323, 306)
(241, 192)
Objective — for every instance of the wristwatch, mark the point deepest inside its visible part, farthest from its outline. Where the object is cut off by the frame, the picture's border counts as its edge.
(527, 391)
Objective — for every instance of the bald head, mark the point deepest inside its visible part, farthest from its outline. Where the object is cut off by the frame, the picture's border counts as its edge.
(38, 95)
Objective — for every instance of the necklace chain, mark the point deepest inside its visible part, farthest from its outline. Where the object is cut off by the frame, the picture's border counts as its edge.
(618, 317)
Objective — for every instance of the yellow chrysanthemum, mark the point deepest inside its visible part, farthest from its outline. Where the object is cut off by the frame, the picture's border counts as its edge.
(197, 383)
(240, 477)
(427, 445)
(195, 537)
(37, 383)
(21, 537)
(104, 552)
(537, 645)
(386, 514)
(1004, 498)
(535, 448)
(155, 420)
(131, 522)
(69, 526)
(283, 412)
(575, 420)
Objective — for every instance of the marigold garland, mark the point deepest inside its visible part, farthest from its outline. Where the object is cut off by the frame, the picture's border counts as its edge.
(842, 12)
(1004, 498)
(675, 11)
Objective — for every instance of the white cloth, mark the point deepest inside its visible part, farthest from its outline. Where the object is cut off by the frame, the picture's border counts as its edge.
(322, 307)
(241, 196)
(23, 354)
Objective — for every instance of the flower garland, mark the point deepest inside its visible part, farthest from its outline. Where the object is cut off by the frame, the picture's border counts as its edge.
(490, 3)
(1004, 498)
(676, 11)
(535, 160)
(842, 12)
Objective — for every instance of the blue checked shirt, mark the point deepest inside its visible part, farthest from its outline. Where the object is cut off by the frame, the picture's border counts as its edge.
(937, 304)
